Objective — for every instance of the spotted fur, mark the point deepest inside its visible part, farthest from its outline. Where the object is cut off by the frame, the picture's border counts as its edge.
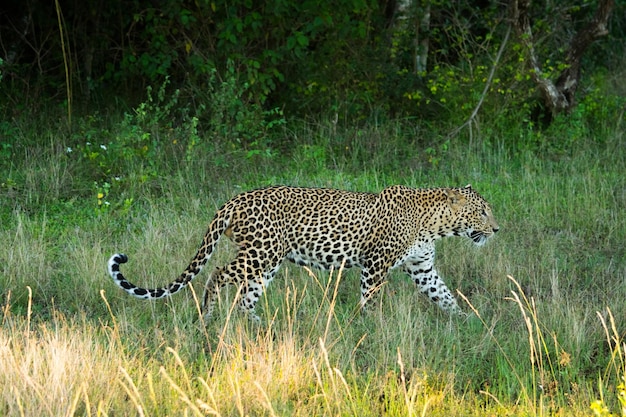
(327, 228)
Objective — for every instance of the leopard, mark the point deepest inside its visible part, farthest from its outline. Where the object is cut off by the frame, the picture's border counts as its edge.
(325, 228)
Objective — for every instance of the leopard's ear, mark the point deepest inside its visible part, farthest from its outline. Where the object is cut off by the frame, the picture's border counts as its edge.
(455, 198)
(468, 187)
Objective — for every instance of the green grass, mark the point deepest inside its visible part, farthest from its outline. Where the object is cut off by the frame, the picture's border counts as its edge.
(542, 293)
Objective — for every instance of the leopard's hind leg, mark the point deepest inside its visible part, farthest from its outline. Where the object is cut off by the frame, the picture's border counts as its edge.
(244, 271)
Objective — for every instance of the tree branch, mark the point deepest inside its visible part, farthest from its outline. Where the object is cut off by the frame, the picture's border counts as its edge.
(559, 96)
(471, 118)
(567, 82)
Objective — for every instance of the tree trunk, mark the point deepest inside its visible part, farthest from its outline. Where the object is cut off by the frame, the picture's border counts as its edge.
(422, 42)
(411, 24)
(560, 96)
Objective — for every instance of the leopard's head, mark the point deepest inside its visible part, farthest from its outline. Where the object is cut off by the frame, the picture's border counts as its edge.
(473, 214)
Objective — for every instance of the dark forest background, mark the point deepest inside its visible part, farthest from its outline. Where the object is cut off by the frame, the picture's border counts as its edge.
(433, 61)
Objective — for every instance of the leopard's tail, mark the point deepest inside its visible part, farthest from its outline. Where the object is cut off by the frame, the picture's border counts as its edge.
(218, 226)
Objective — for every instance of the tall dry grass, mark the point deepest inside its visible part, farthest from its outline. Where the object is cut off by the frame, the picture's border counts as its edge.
(62, 367)
(532, 347)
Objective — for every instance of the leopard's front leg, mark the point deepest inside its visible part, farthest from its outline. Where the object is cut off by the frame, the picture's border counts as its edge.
(422, 271)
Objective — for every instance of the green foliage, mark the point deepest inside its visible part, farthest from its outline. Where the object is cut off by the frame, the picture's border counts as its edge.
(235, 120)
(7, 130)
(351, 58)
(151, 140)
(264, 42)
(138, 150)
